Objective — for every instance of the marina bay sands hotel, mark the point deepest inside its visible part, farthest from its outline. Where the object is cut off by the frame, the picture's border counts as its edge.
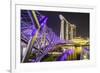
(67, 30)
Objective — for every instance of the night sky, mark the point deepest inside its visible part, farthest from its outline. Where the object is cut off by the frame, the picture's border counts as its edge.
(81, 20)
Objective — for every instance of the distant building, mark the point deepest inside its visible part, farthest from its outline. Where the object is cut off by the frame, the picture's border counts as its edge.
(72, 31)
(67, 30)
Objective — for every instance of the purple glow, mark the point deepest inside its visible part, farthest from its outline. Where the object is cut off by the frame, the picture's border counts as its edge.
(28, 30)
(70, 51)
(64, 56)
(44, 22)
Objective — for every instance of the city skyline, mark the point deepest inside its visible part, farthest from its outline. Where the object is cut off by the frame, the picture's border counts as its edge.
(81, 20)
(50, 36)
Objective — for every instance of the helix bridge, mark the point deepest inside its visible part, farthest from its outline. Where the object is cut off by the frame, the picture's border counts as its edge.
(37, 39)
